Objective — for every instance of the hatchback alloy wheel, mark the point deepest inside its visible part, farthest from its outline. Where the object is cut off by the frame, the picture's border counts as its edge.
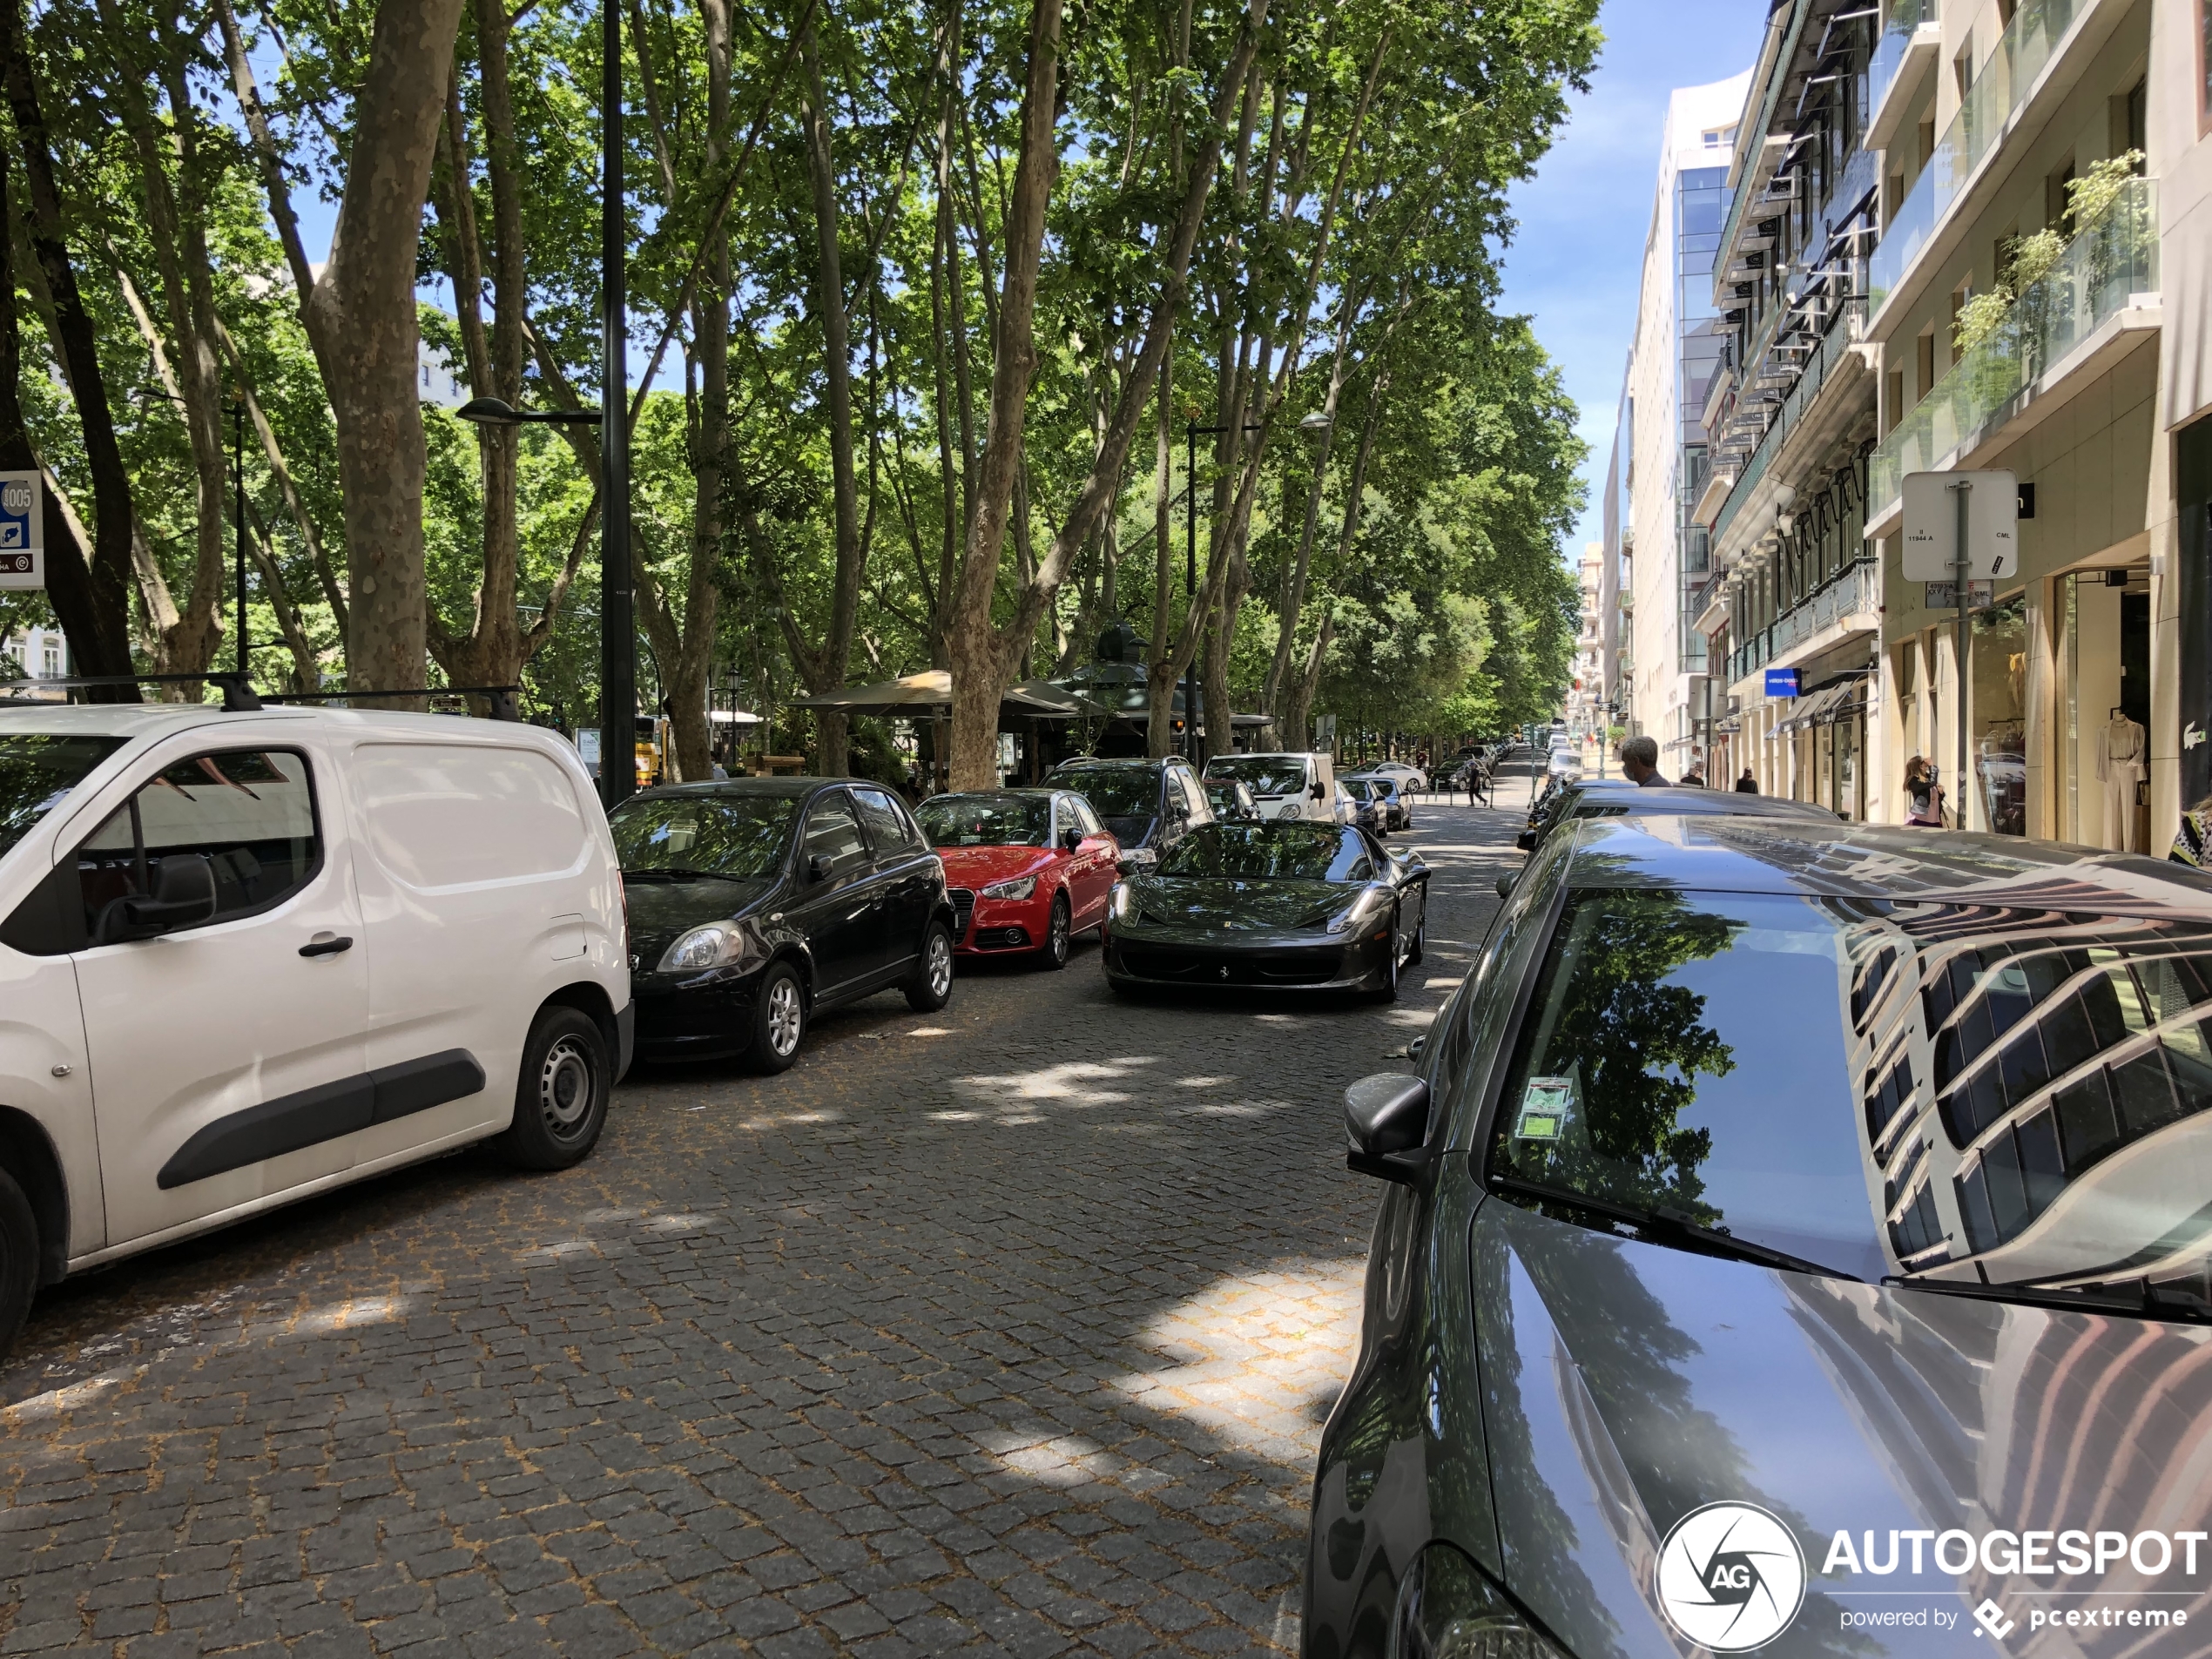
(566, 1088)
(786, 1017)
(1059, 932)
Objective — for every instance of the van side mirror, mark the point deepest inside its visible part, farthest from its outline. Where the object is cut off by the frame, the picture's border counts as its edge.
(1385, 1118)
(183, 896)
(1319, 793)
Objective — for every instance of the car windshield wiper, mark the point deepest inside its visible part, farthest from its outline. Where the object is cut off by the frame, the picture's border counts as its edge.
(2149, 1301)
(1679, 1225)
(679, 873)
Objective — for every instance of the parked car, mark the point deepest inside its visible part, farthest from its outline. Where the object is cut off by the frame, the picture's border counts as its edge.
(1564, 762)
(1347, 810)
(1232, 802)
(1392, 806)
(1293, 785)
(1311, 907)
(758, 904)
(1767, 1189)
(1367, 805)
(1617, 797)
(1149, 805)
(1409, 777)
(1026, 869)
(252, 957)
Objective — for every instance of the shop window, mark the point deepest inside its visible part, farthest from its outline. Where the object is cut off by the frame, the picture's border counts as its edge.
(1997, 714)
(2203, 67)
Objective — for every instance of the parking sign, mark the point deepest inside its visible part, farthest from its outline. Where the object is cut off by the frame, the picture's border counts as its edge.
(23, 543)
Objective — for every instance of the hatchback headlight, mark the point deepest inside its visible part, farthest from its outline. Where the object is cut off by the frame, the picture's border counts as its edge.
(716, 945)
(1020, 887)
(1448, 1610)
(1360, 912)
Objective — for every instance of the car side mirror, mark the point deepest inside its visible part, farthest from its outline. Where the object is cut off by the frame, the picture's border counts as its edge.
(1505, 887)
(1385, 1118)
(817, 867)
(1525, 840)
(183, 896)
(1071, 839)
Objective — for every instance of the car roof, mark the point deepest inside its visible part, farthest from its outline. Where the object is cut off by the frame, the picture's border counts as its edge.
(1691, 801)
(773, 788)
(1808, 856)
(1085, 763)
(138, 719)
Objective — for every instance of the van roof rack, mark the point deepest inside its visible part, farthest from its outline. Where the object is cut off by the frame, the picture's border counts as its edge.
(240, 698)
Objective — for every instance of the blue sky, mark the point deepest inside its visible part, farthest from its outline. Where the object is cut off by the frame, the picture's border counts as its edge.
(1575, 260)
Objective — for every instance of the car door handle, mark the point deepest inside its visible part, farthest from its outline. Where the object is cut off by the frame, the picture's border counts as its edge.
(326, 947)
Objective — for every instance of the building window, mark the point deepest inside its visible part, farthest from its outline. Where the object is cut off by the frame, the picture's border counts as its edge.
(2203, 67)
(53, 655)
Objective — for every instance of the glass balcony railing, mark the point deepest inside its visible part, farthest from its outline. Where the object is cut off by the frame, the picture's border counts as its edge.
(1905, 16)
(2111, 260)
(1853, 595)
(2000, 82)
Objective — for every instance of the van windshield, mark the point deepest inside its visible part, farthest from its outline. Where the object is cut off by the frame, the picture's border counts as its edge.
(739, 836)
(1262, 774)
(37, 770)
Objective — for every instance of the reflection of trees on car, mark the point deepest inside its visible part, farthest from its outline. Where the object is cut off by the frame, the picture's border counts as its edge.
(1633, 1045)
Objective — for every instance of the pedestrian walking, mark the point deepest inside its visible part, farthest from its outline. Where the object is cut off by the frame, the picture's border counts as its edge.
(1747, 785)
(1639, 763)
(1923, 796)
(1694, 778)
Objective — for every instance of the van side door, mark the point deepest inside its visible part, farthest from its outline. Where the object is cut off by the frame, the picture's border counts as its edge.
(227, 1057)
(469, 858)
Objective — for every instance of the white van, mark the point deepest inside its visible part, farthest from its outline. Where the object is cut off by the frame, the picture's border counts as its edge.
(1284, 785)
(247, 957)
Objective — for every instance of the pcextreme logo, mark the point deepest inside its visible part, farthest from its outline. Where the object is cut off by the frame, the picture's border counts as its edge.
(1730, 1577)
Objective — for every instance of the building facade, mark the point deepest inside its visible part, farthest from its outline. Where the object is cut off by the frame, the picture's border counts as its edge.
(1660, 447)
(1970, 235)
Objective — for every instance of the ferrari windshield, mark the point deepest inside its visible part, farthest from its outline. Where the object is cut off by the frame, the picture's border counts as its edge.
(740, 836)
(1293, 852)
(986, 820)
(2000, 1096)
(1116, 792)
(37, 770)
(1262, 774)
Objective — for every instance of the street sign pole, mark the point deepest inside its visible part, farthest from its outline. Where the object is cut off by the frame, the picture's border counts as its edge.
(1962, 558)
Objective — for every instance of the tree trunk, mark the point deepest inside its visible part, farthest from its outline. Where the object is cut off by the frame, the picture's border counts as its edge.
(93, 602)
(829, 662)
(360, 317)
(1159, 674)
(979, 657)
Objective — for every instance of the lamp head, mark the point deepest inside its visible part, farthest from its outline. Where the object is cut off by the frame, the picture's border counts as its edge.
(488, 411)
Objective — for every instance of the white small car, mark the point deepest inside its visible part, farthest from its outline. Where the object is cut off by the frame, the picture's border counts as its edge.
(1408, 776)
(1293, 785)
(249, 957)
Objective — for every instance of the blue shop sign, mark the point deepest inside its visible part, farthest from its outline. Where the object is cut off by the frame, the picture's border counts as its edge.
(1782, 682)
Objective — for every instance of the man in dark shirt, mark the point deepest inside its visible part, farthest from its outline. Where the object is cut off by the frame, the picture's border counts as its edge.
(1639, 762)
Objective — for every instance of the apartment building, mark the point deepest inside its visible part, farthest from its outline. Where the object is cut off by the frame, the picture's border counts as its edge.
(1659, 445)
(1971, 235)
(1589, 688)
(34, 654)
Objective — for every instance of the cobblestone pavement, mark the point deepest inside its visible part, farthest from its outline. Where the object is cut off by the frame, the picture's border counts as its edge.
(1007, 1330)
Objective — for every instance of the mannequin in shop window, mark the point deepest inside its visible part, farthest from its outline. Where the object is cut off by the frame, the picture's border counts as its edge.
(2124, 752)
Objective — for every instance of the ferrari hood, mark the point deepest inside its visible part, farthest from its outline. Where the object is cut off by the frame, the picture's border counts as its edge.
(1692, 1452)
(1217, 906)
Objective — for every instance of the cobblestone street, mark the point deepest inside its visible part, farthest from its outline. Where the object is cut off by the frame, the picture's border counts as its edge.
(1007, 1330)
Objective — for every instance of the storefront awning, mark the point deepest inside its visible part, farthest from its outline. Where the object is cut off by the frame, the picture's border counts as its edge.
(1815, 707)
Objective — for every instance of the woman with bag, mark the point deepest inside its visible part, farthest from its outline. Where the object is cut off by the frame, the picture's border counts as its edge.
(1923, 795)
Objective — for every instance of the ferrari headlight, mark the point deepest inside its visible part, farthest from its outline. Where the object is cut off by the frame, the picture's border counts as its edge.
(1448, 1610)
(716, 945)
(1360, 912)
(1124, 902)
(1020, 887)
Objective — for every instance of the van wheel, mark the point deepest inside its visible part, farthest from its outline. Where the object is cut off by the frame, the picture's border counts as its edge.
(778, 1021)
(18, 1259)
(931, 986)
(561, 1097)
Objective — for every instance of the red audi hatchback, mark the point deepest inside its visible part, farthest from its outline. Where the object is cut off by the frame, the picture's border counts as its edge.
(1026, 869)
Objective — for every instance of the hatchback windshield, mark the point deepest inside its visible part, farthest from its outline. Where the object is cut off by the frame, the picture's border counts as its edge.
(38, 769)
(742, 836)
(1262, 774)
(1116, 792)
(1298, 852)
(986, 820)
(1883, 1088)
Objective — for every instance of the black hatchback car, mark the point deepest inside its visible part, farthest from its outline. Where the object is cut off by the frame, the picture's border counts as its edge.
(1797, 1240)
(1149, 805)
(757, 903)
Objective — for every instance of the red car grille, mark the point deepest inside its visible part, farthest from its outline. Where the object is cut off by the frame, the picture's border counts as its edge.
(963, 903)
